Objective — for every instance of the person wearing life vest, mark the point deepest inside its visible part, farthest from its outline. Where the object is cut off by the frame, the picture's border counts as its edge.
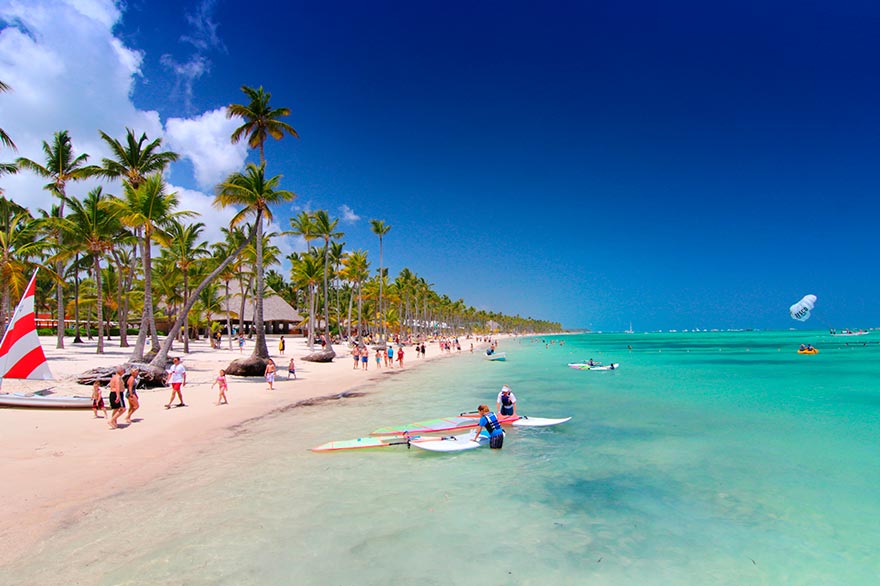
(490, 423)
(506, 402)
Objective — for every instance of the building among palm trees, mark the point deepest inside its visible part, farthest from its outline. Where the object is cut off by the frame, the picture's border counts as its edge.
(279, 317)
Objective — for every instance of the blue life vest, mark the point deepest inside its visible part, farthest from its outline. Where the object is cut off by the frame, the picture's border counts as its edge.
(493, 427)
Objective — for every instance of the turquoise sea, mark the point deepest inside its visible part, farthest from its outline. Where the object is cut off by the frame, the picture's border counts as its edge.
(706, 458)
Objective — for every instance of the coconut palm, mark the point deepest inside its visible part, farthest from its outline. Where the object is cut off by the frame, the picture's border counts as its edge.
(260, 120)
(92, 230)
(380, 229)
(256, 193)
(325, 228)
(20, 242)
(355, 270)
(135, 159)
(148, 208)
(234, 237)
(61, 166)
(4, 138)
(185, 251)
(306, 272)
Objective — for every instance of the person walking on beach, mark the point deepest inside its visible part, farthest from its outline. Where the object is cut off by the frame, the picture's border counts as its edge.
(281, 345)
(221, 380)
(291, 370)
(400, 356)
(270, 374)
(506, 402)
(490, 423)
(390, 362)
(117, 401)
(98, 399)
(131, 394)
(378, 359)
(177, 375)
(365, 358)
(356, 356)
(241, 344)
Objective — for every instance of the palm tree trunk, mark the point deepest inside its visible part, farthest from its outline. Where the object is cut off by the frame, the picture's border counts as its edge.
(311, 317)
(59, 292)
(137, 354)
(100, 304)
(76, 337)
(186, 315)
(326, 296)
(350, 303)
(260, 348)
(360, 314)
(228, 316)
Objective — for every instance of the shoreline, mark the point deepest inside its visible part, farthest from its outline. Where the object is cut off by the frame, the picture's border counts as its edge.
(59, 462)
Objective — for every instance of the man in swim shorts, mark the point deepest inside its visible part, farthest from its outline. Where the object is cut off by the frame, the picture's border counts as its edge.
(177, 375)
(117, 402)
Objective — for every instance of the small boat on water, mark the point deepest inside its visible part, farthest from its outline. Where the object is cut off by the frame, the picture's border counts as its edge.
(848, 332)
(22, 357)
(496, 356)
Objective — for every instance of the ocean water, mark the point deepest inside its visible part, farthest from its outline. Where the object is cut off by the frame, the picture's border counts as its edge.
(704, 459)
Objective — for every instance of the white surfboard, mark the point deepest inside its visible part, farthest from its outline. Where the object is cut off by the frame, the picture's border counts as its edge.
(538, 421)
(455, 443)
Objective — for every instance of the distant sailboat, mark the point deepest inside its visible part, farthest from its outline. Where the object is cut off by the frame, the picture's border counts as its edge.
(630, 330)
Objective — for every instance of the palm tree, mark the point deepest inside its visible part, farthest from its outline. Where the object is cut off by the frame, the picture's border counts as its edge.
(134, 161)
(303, 225)
(92, 231)
(260, 120)
(185, 251)
(306, 272)
(148, 208)
(355, 271)
(234, 237)
(19, 243)
(4, 138)
(325, 228)
(256, 193)
(61, 166)
(380, 229)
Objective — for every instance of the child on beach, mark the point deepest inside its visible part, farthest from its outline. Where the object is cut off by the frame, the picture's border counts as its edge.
(221, 380)
(400, 356)
(291, 370)
(240, 344)
(270, 374)
(98, 399)
(281, 345)
(378, 359)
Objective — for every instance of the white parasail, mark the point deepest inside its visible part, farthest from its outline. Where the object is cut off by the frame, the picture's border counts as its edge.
(801, 310)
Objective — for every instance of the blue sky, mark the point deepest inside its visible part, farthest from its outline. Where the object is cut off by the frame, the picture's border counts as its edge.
(679, 165)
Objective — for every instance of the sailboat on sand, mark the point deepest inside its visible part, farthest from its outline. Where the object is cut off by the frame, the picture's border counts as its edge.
(22, 357)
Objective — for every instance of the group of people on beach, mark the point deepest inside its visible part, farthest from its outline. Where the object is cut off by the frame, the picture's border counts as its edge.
(120, 390)
(360, 356)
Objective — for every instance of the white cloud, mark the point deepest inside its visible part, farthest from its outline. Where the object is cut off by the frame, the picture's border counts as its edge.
(67, 72)
(204, 140)
(348, 215)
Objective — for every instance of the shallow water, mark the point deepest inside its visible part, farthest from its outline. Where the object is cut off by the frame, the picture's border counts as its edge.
(705, 459)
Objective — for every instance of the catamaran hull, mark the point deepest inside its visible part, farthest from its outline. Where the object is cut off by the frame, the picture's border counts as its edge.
(40, 402)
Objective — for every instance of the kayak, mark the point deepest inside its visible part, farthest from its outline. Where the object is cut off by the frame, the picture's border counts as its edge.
(455, 443)
(586, 366)
(813, 351)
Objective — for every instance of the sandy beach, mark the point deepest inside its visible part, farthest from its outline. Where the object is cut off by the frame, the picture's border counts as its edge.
(57, 464)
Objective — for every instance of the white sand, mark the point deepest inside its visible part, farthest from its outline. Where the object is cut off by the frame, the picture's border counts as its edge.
(57, 463)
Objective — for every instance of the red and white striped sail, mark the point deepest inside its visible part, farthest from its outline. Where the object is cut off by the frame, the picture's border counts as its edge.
(21, 355)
